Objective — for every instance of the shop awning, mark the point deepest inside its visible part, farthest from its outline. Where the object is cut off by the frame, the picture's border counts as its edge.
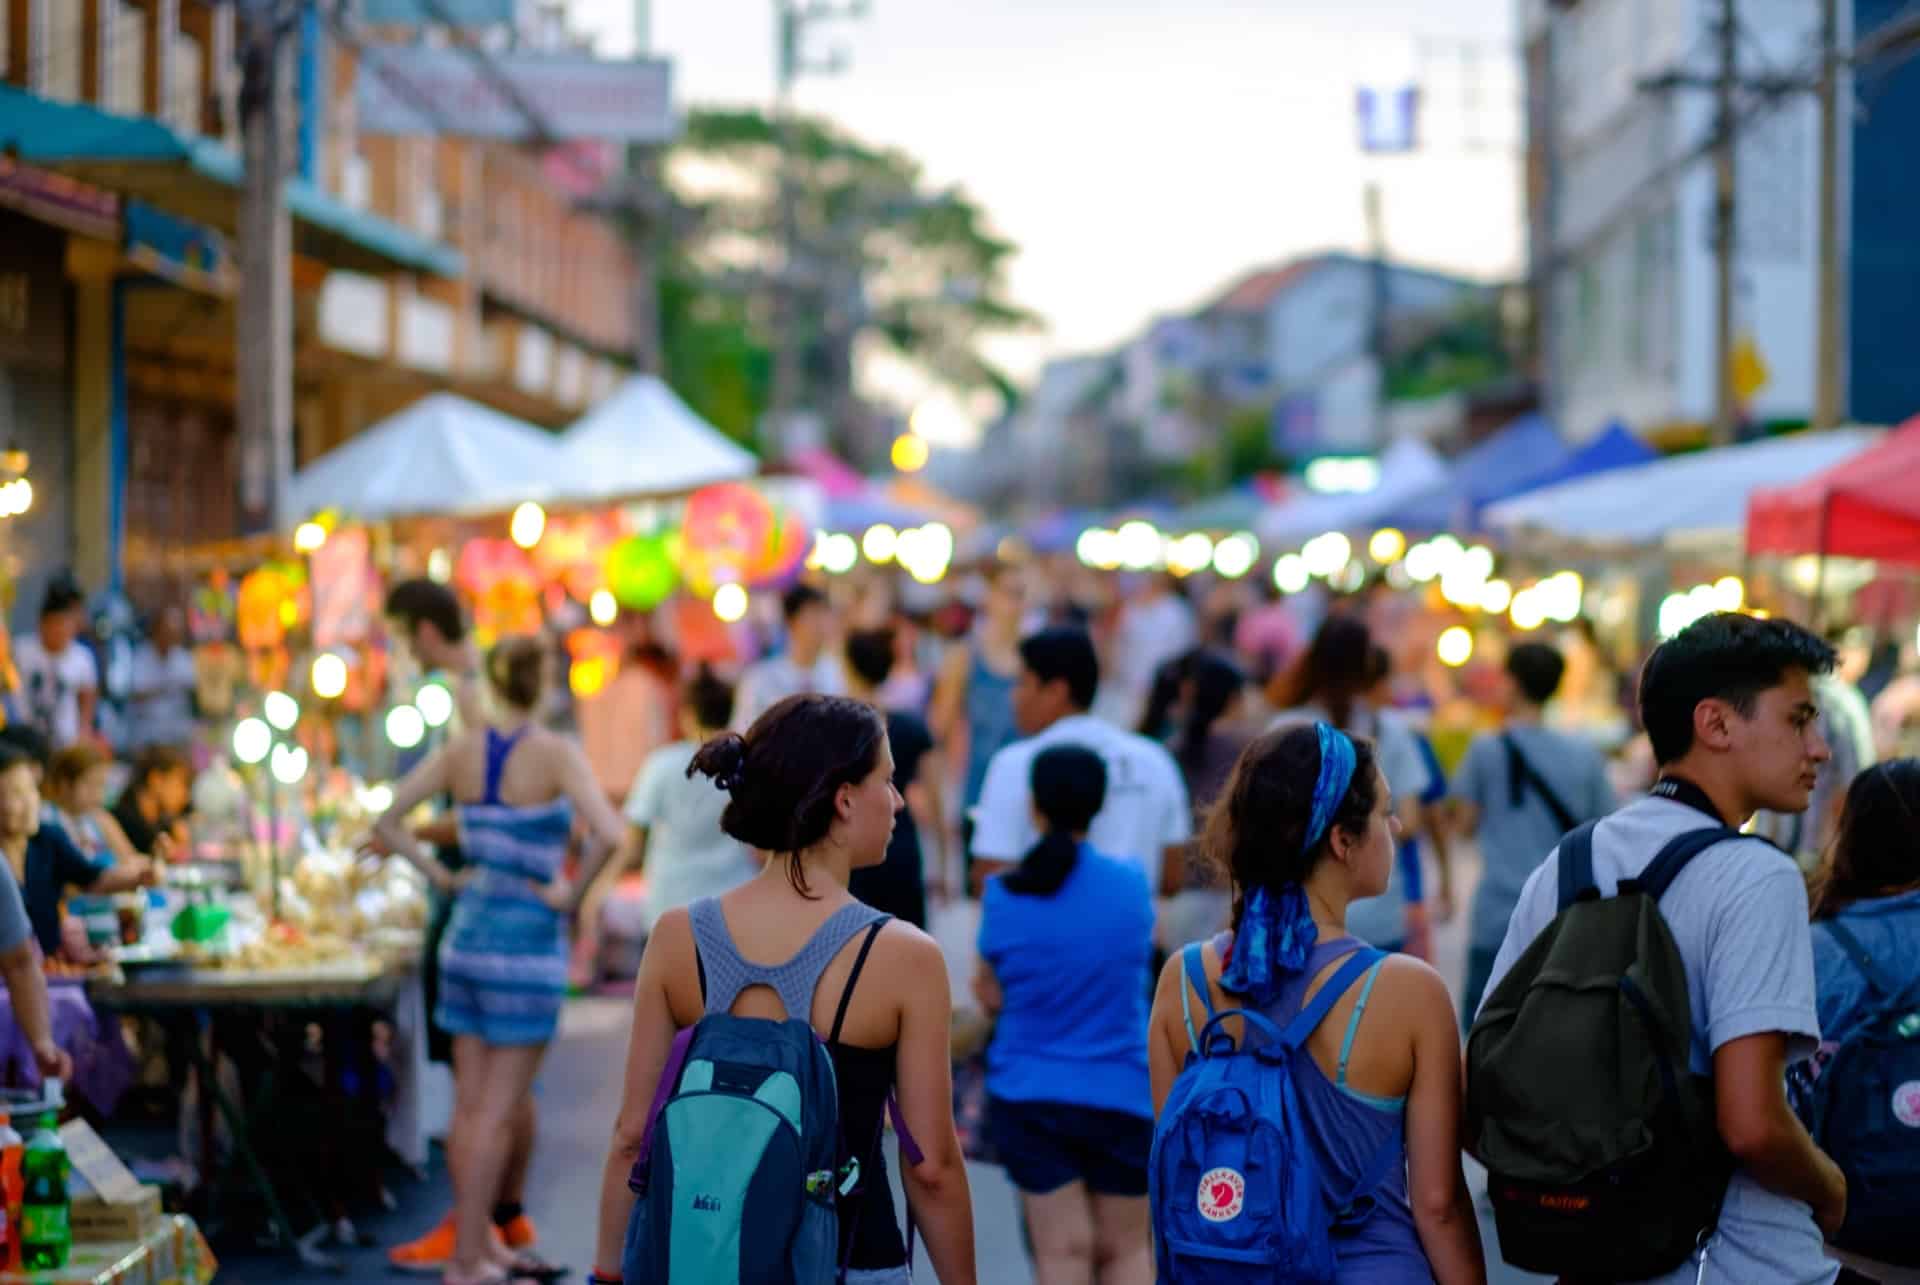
(1867, 506)
(1408, 470)
(1512, 460)
(441, 455)
(1705, 491)
(643, 440)
(200, 179)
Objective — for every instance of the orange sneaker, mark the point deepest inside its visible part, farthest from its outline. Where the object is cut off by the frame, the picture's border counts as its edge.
(519, 1234)
(430, 1254)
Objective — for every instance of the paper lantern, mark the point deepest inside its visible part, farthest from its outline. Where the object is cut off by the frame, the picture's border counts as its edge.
(641, 571)
(730, 534)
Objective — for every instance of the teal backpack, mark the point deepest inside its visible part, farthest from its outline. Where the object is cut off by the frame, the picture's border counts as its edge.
(743, 1164)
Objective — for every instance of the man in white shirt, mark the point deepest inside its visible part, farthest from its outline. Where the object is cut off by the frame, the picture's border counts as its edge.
(1146, 818)
(163, 684)
(806, 666)
(58, 681)
(1154, 626)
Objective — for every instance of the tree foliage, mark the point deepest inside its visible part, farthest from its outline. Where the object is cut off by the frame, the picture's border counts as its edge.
(882, 255)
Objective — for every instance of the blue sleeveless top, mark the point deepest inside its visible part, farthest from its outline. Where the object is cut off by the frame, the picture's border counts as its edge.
(1347, 1128)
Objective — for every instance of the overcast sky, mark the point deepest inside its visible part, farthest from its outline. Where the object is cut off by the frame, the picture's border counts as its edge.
(1143, 152)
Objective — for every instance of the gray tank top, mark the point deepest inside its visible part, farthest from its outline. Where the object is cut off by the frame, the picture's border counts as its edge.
(727, 972)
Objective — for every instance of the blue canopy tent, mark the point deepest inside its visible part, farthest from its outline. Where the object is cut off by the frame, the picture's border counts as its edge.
(1614, 448)
(1507, 463)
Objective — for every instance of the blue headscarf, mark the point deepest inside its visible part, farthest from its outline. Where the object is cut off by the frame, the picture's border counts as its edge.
(1277, 931)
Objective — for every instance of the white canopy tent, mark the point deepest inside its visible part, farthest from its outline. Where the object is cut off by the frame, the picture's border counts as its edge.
(1692, 495)
(441, 455)
(1409, 469)
(643, 440)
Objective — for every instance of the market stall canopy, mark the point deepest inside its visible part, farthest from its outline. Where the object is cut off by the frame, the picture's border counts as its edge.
(1616, 447)
(839, 479)
(643, 440)
(1705, 491)
(1513, 460)
(1408, 469)
(441, 455)
(1867, 506)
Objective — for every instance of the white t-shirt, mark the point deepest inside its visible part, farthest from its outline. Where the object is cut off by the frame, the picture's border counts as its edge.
(768, 682)
(50, 687)
(162, 705)
(1738, 913)
(688, 856)
(1146, 811)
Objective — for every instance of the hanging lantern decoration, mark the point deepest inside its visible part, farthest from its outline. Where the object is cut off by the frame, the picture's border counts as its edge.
(504, 586)
(573, 552)
(272, 600)
(729, 535)
(641, 570)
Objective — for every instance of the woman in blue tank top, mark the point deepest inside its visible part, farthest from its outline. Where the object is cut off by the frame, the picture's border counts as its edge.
(1298, 843)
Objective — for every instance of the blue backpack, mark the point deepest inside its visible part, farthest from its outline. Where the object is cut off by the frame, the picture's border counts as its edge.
(743, 1164)
(1862, 1107)
(1236, 1192)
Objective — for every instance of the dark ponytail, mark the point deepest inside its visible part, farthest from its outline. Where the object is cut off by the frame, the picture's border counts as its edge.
(1069, 785)
(1215, 683)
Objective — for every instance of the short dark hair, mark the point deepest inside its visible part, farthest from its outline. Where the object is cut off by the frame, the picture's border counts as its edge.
(1536, 668)
(1067, 654)
(798, 599)
(27, 741)
(709, 697)
(62, 595)
(1724, 656)
(870, 655)
(420, 599)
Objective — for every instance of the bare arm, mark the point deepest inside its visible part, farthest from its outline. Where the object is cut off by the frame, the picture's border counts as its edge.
(927, 796)
(590, 804)
(986, 988)
(1167, 1043)
(936, 1187)
(27, 990)
(117, 841)
(1760, 1129)
(1436, 1187)
(419, 785)
(948, 705)
(670, 948)
(124, 876)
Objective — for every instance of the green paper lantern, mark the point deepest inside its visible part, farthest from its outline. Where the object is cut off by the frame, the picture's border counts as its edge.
(642, 571)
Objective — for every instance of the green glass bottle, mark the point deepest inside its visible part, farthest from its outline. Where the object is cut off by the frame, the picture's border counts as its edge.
(46, 1232)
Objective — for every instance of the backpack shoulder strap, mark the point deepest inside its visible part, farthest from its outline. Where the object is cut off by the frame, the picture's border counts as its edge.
(1521, 772)
(1883, 986)
(1316, 1009)
(1576, 865)
(1194, 958)
(1672, 859)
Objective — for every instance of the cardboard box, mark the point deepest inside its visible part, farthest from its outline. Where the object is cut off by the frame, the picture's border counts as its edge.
(95, 1220)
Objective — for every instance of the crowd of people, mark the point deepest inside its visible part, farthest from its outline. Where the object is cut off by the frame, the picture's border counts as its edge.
(1243, 847)
(1188, 832)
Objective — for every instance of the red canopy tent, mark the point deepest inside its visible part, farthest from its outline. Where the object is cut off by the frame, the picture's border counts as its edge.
(1866, 506)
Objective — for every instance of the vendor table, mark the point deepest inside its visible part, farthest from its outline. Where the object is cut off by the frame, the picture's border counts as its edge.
(196, 1004)
(173, 1253)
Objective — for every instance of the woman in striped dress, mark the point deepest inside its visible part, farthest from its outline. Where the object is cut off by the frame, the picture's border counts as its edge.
(503, 963)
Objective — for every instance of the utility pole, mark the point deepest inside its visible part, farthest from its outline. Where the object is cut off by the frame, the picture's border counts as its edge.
(264, 339)
(1829, 399)
(792, 18)
(1380, 300)
(1726, 410)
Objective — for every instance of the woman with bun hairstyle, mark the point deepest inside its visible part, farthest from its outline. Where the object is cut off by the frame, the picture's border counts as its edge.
(1303, 828)
(811, 785)
(503, 962)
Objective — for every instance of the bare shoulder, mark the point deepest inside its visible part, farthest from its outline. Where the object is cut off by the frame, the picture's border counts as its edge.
(910, 960)
(1413, 988)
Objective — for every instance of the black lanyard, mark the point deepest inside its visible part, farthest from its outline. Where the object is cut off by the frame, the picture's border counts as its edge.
(1680, 790)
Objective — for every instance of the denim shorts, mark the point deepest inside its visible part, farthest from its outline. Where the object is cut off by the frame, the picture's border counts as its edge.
(885, 1276)
(1046, 1145)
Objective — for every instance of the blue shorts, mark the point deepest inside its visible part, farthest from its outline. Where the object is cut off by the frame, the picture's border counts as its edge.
(1046, 1145)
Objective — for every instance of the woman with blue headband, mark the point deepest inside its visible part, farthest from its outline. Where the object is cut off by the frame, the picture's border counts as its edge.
(1305, 827)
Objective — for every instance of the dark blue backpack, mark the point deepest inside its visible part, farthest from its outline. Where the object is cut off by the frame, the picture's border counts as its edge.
(1236, 1192)
(1863, 1109)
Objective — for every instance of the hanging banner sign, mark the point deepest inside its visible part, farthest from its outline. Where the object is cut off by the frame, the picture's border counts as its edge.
(449, 91)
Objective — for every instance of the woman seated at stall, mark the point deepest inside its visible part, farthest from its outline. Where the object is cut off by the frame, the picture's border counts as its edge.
(44, 860)
(77, 799)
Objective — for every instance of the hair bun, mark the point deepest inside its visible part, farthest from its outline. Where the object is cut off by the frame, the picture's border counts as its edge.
(724, 758)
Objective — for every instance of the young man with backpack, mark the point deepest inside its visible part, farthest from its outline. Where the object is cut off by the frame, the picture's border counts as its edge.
(1520, 789)
(1626, 1074)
